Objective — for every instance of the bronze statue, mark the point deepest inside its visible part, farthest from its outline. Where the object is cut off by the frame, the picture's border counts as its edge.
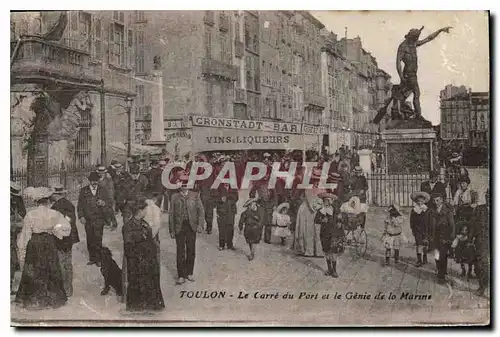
(407, 54)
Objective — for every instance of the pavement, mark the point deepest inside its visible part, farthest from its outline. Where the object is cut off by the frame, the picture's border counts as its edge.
(227, 283)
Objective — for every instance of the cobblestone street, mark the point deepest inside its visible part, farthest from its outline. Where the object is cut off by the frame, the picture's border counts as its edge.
(277, 270)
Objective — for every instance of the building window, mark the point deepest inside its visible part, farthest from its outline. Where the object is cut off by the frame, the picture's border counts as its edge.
(117, 44)
(225, 46)
(140, 16)
(139, 49)
(83, 140)
(97, 39)
(224, 100)
(209, 98)
(119, 16)
(208, 43)
(140, 101)
(237, 31)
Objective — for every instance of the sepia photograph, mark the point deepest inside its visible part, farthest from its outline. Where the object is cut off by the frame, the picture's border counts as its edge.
(253, 168)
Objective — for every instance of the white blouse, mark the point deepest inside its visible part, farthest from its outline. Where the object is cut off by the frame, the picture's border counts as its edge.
(42, 220)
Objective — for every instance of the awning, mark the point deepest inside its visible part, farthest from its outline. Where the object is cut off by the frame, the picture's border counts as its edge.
(119, 149)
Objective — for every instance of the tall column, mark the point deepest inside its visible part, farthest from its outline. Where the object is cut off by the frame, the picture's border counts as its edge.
(157, 126)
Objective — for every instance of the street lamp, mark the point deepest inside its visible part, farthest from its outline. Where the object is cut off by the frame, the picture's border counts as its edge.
(128, 111)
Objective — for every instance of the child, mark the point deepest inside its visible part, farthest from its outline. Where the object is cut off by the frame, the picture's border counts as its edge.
(353, 214)
(251, 221)
(282, 222)
(331, 233)
(393, 233)
(463, 250)
(419, 224)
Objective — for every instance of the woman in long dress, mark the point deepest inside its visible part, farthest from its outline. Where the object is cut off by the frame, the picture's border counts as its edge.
(41, 283)
(307, 241)
(143, 291)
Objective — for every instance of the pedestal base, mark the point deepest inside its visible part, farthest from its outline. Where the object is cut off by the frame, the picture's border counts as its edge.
(409, 151)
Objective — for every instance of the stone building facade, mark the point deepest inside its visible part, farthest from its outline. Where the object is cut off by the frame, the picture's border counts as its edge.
(61, 63)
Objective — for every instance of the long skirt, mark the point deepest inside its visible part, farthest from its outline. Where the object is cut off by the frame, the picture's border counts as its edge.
(41, 282)
(143, 277)
(307, 241)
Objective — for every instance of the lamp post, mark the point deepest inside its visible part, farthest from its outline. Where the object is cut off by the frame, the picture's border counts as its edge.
(128, 109)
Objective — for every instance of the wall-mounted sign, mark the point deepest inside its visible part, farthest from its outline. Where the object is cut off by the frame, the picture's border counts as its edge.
(213, 139)
(177, 124)
(251, 125)
(178, 142)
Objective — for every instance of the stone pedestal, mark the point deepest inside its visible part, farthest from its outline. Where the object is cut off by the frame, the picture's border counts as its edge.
(157, 124)
(409, 151)
(365, 160)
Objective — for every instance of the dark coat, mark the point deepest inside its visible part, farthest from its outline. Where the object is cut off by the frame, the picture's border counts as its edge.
(17, 211)
(420, 224)
(194, 208)
(359, 183)
(330, 234)
(442, 226)
(155, 184)
(226, 210)
(87, 205)
(252, 223)
(481, 231)
(439, 188)
(66, 208)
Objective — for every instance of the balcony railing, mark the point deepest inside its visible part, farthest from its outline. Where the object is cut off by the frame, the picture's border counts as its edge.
(41, 60)
(240, 96)
(311, 99)
(216, 68)
(239, 49)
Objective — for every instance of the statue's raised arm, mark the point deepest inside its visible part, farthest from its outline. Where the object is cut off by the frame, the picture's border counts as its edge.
(433, 35)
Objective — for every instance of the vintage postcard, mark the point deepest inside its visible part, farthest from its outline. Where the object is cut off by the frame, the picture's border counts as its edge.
(250, 168)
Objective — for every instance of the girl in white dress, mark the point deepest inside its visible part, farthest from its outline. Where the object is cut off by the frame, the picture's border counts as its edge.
(282, 222)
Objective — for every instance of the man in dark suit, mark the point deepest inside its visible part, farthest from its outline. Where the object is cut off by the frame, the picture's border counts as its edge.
(433, 186)
(481, 236)
(443, 232)
(94, 211)
(65, 246)
(186, 218)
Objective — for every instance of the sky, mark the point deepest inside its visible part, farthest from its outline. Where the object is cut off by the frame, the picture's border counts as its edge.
(459, 58)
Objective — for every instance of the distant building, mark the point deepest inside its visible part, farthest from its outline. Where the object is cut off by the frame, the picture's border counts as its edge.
(72, 57)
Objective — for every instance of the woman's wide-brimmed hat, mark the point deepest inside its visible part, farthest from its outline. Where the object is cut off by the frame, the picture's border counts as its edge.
(327, 195)
(416, 195)
(15, 189)
(37, 193)
(394, 208)
(282, 206)
(59, 189)
(250, 201)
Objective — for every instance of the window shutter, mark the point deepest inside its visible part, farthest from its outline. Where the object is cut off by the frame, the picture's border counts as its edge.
(130, 49)
(111, 45)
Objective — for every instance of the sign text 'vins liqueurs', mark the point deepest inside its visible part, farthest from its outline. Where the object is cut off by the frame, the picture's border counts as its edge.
(247, 124)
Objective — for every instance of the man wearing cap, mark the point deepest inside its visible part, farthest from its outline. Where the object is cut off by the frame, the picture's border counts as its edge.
(185, 219)
(65, 246)
(155, 184)
(442, 226)
(112, 169)
(407, 53)
(137, 185)
(433, 186)
(105, 181)
(17, 213)
(267, 199)
(94, 211)
(358, 184)
(121, 186)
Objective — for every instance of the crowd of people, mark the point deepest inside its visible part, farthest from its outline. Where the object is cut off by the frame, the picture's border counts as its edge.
(314, 219)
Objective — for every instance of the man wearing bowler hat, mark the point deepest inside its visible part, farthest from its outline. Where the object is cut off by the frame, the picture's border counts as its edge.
(433, 186)
(186, 218)
(94, 211)
(65, 246)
